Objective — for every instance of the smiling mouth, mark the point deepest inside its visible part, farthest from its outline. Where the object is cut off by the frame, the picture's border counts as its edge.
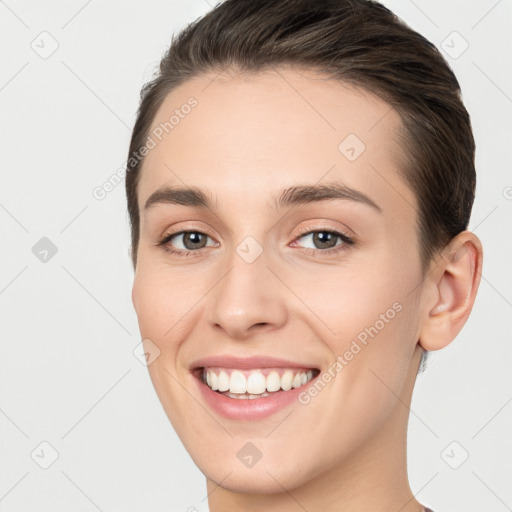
(255, 383)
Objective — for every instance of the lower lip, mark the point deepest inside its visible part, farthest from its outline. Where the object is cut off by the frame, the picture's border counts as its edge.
(249, 409)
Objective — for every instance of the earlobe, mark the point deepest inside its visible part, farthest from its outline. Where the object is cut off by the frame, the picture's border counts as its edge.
(454, 291)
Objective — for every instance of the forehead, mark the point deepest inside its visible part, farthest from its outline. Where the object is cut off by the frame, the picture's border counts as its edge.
(251, 135)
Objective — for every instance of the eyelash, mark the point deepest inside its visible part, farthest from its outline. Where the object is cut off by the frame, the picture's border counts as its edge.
(347, 241)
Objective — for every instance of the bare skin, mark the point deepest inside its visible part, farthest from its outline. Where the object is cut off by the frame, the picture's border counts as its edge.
(248, 138)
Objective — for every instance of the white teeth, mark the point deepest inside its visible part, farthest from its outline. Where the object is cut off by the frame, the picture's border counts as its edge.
(214, 380)
(255, 385)
(223, 382)
(237, 383)
(296, 382)
(286, 380)
(273, 381)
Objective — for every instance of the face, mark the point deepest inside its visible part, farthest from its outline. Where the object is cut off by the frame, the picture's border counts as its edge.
(280, 296)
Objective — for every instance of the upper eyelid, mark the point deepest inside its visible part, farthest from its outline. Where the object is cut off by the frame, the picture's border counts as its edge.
(303, 230)
(187, 229)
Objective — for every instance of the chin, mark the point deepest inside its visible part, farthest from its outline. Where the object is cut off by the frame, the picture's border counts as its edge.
(270, 479)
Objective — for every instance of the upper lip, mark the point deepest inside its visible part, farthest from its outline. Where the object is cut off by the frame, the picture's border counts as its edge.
(247, 363)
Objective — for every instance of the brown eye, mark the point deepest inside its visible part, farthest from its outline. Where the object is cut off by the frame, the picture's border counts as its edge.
(186, 241)
(194, 240)
(325, 239)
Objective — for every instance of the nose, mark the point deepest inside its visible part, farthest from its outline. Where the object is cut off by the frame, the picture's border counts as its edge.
(249, 299)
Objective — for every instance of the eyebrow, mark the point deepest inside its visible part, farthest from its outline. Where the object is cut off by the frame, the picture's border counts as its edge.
(298, 194)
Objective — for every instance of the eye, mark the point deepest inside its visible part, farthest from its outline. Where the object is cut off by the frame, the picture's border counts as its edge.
(184, 242)
(326, 241)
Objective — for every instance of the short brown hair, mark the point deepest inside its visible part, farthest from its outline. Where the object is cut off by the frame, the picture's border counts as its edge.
(356, 41)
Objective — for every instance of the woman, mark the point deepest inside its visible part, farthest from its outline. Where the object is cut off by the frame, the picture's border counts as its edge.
(300, 181)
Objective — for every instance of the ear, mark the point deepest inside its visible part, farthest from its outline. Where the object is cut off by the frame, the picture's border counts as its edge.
(452, 287)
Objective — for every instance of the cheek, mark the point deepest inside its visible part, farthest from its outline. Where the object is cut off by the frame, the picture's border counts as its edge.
(162, 301)
(147, 300)
(369, 319)
(349, 302)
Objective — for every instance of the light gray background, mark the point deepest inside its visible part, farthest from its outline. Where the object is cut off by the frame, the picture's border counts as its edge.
(68, 375)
